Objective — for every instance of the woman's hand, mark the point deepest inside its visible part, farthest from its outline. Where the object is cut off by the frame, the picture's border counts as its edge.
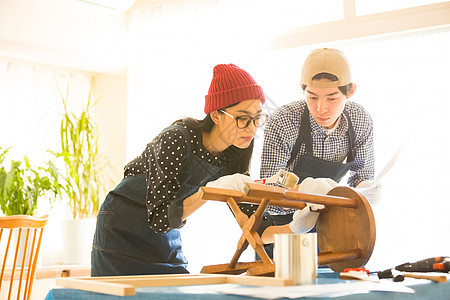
(231, 182)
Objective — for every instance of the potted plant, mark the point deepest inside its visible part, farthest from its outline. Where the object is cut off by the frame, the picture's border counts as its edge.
(81, 169)
(23, 184)
(79, 142)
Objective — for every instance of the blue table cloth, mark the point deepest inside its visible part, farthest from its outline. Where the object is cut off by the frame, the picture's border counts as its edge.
(424, 289)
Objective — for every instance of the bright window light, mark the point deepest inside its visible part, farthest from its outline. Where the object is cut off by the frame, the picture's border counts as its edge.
(287, 14)
(111, 5)
(364, 7)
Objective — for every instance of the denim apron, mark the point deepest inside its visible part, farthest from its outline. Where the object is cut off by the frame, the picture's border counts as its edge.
(124, 243)
(310, 166)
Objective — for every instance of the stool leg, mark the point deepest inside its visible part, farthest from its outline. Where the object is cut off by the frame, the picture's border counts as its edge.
(249, 235)
(242, 219)
(242, 245)
(258, 218)
(331, 257)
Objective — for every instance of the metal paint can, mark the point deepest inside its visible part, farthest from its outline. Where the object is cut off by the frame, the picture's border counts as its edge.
(296, 257)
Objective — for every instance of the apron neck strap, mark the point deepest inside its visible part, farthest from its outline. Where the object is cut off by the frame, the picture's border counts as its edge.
(304, 134)
(351, 138)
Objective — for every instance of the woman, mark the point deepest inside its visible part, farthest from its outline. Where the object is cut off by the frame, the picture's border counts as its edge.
(138, 224)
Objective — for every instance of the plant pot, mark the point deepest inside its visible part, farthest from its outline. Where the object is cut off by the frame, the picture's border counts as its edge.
(51, 253)
(76, 240)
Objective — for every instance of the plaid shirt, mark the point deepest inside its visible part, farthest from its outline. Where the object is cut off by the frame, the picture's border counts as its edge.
(282, 129)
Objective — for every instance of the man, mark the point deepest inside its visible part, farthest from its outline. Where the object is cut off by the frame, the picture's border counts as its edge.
(323, 136)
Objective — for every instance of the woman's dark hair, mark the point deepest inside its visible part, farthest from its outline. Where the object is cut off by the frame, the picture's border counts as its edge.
(345, 89)
(238, 160)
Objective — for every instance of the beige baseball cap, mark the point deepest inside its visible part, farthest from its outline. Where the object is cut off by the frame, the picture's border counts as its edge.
(326, 60)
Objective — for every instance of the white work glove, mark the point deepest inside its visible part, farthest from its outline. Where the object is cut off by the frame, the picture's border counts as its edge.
(371, 191)
(305, 219)
(231, 182)
(319, 186)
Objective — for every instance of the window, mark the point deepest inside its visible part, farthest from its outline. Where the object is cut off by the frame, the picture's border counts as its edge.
(364, 7)
(281, 16)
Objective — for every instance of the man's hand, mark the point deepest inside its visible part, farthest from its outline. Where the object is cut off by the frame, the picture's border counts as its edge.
(319, 186)
(304, 219)
(370, 190)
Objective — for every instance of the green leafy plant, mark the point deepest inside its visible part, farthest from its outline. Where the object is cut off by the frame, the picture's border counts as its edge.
(79, 142)
(22, 186)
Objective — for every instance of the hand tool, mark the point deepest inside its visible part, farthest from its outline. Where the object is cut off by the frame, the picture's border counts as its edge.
(433, 264)
(287, 179)
(400, 276)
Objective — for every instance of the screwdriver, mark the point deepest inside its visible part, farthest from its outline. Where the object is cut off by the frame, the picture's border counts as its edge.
(433, 264)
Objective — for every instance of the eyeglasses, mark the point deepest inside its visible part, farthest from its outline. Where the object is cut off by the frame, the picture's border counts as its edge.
(243, 121)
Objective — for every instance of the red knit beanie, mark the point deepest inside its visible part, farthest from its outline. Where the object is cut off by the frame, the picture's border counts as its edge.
(230, 84)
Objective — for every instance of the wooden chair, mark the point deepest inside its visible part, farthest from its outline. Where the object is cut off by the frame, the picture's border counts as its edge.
(26, 231)
(345, 228)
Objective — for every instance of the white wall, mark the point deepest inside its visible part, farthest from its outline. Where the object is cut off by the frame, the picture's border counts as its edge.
(110, 115)
(63, 32)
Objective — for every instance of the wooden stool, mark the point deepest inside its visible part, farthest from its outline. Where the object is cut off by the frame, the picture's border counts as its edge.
(345, 228)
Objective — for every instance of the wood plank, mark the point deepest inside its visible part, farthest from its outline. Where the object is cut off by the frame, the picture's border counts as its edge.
(53, 271)
(210, 193)
(260, 281)
(97, 286)
(333, 257)
(157, 280)
(222, 195)
(278, 193)
(263, 270)
(126, 285)
(240, 268)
